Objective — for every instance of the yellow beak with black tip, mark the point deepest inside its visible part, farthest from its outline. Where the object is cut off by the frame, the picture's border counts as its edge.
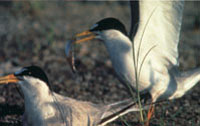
(87, 35)
(9, 79)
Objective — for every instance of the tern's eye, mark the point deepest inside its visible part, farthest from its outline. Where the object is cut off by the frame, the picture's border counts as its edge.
(32, 71)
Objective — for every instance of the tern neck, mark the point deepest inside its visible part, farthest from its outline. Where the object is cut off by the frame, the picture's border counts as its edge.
(120, 50)
(38, 100)
(35, 91)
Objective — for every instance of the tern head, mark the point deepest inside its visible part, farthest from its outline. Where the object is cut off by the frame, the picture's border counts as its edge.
(105, 30)
(114, 36)
(32, 80)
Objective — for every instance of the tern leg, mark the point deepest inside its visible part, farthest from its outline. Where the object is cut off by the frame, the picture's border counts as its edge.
(150, 114)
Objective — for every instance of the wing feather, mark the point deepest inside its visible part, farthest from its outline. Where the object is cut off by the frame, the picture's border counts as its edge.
(159, 26)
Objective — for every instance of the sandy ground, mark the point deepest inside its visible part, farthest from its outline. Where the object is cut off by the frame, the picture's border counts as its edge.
(36, 33)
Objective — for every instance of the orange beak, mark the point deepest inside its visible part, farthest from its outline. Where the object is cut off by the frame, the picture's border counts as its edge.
(87, 36)
(9, 79)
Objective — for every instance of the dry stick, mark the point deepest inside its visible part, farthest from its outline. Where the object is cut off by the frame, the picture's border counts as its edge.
(136, 65)
(141, 68)
(145, 58)
(148, 20)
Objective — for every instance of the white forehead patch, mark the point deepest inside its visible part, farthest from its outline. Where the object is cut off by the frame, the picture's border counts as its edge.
(20, 71)
(94, 26)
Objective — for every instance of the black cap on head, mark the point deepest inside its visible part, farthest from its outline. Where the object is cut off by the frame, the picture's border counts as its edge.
(33, 71)
(108, 24)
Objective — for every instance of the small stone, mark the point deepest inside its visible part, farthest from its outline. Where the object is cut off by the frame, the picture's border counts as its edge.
(2, 99)
(197, 110)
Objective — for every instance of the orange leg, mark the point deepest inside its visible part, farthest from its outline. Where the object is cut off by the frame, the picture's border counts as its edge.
(150, 114)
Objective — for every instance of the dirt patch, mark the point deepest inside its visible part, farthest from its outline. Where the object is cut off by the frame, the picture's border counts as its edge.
(36, 33)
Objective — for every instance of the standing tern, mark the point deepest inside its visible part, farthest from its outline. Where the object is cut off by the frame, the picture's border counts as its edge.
(43, 107)
(153, 54)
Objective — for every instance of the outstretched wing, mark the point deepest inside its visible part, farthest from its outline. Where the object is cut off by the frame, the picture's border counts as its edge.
(156, 41)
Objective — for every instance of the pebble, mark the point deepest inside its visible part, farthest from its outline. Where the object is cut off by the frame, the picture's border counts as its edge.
(2, 99)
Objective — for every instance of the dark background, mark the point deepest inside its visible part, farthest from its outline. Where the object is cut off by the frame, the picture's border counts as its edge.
(36, 33)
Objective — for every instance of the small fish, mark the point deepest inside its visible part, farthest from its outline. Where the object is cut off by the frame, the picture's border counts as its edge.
(69, 51)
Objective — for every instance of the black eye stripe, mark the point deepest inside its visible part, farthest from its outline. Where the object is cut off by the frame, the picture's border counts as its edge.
(32, 71)
(109, 23)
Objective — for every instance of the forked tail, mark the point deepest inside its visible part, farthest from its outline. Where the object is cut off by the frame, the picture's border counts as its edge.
(186, 81)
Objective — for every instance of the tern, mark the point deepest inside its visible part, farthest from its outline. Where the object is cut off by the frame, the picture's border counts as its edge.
(43, 107)
(151, 58)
